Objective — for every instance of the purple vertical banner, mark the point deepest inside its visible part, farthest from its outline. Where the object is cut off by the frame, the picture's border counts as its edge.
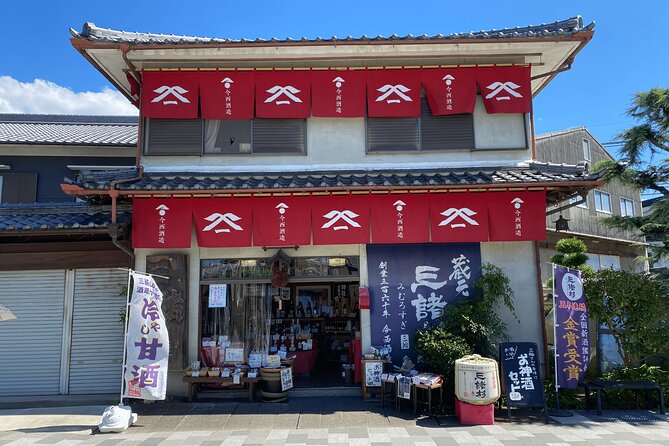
(572, 346)
(411, 285)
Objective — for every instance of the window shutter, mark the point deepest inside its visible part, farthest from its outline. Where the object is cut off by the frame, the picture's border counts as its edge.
(392, 134)
(19, 188)
(279, 136)
(449, 132)
(174, 137)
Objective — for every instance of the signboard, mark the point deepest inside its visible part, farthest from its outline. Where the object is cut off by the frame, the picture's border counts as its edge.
(572, 344)
(404, 387)
(147, 342)
(520, 368)
(410, 285)
(218, 296)
(286, 379)
(255, 360)
(373, 371)
(233, 355)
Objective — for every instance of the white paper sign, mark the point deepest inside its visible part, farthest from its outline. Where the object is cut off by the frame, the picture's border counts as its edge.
(373, 371)
(233, 355)
(148, 344)
(255, 360)
(286, 379)
(218, 296)
(236, 378)
(273, 361)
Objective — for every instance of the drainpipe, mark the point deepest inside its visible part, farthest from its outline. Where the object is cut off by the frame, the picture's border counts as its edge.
(114, 227)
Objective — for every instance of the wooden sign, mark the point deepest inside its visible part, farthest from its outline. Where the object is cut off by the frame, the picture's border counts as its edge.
(286, 379)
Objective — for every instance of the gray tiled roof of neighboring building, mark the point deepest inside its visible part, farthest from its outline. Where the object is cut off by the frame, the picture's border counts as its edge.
(535, 173)
(559, 28)
(58, 216)
(68, 130)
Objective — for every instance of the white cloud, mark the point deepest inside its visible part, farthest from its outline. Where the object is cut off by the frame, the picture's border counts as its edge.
(44, 97)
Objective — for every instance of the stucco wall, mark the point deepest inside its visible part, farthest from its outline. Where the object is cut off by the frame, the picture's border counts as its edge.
(517, 261)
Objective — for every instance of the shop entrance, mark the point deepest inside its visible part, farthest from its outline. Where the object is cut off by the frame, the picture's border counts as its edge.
(312, 322)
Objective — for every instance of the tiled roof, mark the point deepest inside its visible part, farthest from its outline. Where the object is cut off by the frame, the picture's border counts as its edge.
(559, 28)
(58, 216)
(68, 130)
(534, 173)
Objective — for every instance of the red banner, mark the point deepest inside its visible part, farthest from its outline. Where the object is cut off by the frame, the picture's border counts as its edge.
(283, 94)
(338, 94)
(450, 91)
(393, 93)
(281, 221)
(161, 223)
(516, 216)
(223, 222)
(340, 219)
(226, 94)
(169, 94)
(505, 89)
(459, 217)
(400, 218)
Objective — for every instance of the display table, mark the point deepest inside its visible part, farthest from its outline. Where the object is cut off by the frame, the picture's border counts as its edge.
(422, 395)
(304, 362)
(195, 381)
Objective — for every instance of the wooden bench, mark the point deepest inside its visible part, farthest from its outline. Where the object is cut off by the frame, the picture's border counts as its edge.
(195, 381)
(601, 386)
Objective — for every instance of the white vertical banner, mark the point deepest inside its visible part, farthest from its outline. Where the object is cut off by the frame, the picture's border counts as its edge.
(147, 342)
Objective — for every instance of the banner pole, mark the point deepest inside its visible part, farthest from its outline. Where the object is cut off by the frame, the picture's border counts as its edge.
(125, 335)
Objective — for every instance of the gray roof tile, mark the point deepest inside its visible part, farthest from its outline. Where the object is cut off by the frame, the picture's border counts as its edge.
(58, 216)
(68, 130)
(559, 28)
(180, 181)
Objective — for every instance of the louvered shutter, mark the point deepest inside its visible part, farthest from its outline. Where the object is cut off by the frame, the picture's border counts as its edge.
(279, 136)
(173, 137)
(392, 134)
(450, 132)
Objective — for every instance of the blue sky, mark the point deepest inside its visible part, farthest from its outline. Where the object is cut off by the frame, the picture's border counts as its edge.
(628, 53)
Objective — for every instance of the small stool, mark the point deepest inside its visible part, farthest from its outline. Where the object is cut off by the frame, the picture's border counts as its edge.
(385, 385)
(427, 389)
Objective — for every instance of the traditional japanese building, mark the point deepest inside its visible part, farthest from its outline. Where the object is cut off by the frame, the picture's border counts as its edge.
(323, 196)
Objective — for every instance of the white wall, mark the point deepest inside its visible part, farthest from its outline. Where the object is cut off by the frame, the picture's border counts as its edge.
(340, 143)
(517, 261)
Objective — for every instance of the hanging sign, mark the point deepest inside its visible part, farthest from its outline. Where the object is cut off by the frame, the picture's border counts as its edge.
(161, 222)
(393, 93)
(450, 91)
(517, 216)
(521, 372)
(226, 94)
(223, 222)
(400, 218)
(459, 217)
(572, 343)
(283, 94)
(286, 379)
(341, 219)
(147, 342)
(169, 94)
(410, 286)
(218, 296)
(338, 93)
(505, 89)
(281, 221)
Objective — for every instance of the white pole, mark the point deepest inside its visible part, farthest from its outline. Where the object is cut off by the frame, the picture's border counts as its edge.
(125, 335)
(555, 340)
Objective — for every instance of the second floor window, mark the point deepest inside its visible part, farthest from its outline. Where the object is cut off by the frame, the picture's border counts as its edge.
(626, 207)
(426, 133)
(602, 201)
(195, 136)
(586, 150)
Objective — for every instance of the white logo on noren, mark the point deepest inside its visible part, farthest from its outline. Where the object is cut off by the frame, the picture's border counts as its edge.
(508, 87)
(346, 215)
(398, 90)
(165, 91)
(277, 91)
(453, 213)
(228, 218)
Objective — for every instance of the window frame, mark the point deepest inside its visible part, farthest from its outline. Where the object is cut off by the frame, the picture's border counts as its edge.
(598, 202)
(624, 202)
(587, 152)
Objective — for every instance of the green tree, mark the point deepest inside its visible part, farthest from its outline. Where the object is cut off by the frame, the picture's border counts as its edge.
(644, 166)
(633, 306)
(571, 252)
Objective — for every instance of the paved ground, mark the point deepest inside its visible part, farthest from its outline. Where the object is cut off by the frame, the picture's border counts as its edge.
(321, 421)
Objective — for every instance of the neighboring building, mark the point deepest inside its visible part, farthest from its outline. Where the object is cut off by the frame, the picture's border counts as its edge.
(607, 247)
(59, 271)
(335, 169)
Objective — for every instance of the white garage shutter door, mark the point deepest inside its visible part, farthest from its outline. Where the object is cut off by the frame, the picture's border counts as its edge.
(97, 335)
(30, 345)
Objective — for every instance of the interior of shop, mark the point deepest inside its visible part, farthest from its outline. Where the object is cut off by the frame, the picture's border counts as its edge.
(313, 320)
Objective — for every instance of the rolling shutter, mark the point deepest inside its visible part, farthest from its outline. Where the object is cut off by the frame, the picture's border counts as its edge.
(97, 334)
(279, 135)
(30, 345)
(450, 132)
(174, 137)
(392, 134)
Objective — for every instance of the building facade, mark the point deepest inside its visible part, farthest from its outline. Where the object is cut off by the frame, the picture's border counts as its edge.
(323, 196)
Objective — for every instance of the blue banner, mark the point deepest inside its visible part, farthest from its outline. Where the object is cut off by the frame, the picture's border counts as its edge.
(410, 286)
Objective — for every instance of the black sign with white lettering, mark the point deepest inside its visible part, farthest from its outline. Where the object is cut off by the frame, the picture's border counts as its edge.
(522, 380)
